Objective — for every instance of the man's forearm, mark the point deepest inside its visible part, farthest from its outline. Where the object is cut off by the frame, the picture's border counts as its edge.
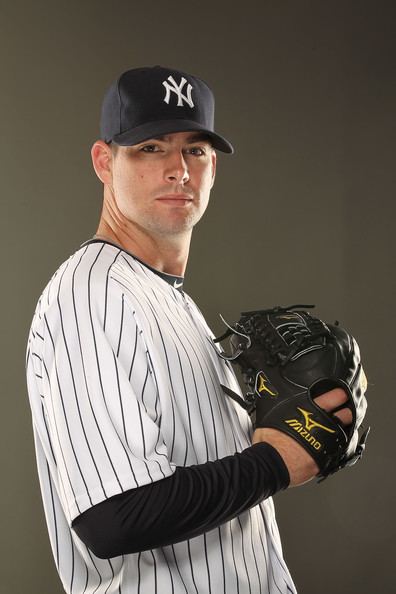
(192, 501)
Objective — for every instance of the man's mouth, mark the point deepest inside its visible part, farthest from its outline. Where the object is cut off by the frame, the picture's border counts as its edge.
(175, 199)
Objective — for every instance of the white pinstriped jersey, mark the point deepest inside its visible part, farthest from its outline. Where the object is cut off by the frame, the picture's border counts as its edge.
(124, 385)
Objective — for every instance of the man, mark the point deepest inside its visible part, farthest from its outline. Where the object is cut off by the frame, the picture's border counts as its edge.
(149, 478)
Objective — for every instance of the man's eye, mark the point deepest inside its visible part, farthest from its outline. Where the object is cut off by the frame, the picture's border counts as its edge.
(196, 150)
(150, 148)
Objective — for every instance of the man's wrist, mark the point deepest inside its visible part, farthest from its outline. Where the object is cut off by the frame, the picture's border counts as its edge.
(299, 463)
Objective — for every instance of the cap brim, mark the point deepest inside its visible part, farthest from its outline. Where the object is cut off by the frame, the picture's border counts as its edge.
(161, 127)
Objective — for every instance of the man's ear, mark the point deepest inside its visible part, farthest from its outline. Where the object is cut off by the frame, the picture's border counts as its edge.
(102, 161)
(214, 162)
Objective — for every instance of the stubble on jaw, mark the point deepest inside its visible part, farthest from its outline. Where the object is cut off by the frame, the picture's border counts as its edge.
(150, 224)
(174, 224)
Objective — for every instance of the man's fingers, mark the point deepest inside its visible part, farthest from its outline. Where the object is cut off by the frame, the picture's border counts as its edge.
(345, 416)
(331, 400)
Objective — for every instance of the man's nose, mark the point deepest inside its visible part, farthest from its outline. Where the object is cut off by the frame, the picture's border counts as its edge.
(176, 169)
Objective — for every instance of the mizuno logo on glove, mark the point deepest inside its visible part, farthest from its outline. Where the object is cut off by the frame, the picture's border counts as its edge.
(309, 425)
(263, 385)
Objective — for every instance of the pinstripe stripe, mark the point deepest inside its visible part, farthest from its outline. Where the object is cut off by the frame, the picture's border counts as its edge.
(120, 398)
(207, 564)
(107, 288)
(72, 565)
(243, 556)
(265, 554)
(134, 354)
(124, 385)
(191, 566)
(121, 326)
(53, 513)
(86, 579)
(152, 373)
(112, 577)
(164, 561)
(236, 572)
(139, 580)
(253, 551)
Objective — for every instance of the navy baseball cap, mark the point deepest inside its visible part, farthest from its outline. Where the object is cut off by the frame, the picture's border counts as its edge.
(153, 101)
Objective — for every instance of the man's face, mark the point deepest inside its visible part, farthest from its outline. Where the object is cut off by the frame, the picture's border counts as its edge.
(162, 185)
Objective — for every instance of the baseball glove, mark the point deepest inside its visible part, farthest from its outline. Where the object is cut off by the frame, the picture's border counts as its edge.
(287, 358)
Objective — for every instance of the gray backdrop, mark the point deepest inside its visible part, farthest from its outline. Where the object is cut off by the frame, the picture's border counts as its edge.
(304, 211)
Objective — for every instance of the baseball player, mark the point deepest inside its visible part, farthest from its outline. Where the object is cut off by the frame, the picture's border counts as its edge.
(149, 478)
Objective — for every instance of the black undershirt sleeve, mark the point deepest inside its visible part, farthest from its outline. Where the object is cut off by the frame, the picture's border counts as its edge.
(194, 500)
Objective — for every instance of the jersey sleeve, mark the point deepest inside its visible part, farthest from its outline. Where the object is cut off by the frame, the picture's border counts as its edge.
(194, 500)
(99, 422)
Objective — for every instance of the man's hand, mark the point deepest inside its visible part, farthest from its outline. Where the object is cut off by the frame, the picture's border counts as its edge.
(301, 466)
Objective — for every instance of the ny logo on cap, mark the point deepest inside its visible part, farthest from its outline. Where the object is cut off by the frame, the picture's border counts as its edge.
(177, 89)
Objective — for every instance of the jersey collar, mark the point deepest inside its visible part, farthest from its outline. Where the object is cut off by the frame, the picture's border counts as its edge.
(175, 281)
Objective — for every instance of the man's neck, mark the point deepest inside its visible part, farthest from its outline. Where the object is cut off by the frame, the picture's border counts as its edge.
(163, 254)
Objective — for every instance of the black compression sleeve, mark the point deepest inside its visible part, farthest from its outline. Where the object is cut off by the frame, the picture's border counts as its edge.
(194, 500)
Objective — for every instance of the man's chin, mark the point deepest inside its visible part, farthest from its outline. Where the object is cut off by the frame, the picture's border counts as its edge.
(175, 226)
